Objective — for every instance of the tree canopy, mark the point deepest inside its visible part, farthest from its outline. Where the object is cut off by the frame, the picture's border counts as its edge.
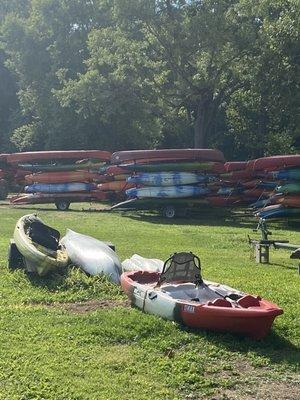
(117, 74)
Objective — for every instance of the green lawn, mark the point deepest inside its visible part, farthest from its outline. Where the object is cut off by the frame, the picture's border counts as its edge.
(50, 351)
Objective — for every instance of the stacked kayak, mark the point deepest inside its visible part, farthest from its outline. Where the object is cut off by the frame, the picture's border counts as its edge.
(284, 202)
(176, 291)
(59, 176)
(169, 173)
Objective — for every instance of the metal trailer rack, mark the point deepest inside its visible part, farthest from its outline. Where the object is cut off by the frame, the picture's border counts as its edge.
(262, 247)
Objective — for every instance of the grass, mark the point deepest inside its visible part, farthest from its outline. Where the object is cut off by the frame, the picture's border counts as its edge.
(48, 352)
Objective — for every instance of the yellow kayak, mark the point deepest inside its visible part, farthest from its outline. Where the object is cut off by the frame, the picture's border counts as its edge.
(39, 245)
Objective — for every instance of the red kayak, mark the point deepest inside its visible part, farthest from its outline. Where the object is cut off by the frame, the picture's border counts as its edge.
(289, 201)
(274, 163)
(180, 294)
(237, 176)
(219, 201)
(231, 166)
(115, 186)
(33, 156)
(167, 155)
(61, 177)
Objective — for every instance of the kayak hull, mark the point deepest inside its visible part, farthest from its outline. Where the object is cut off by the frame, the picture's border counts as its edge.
(37, 258)
(30, 156)
(61, 177)
(168, 154)
(93, 256)
(169, 178)
(253, 316)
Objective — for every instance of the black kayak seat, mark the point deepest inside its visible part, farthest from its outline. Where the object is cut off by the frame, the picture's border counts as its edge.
(44, 235)
(184, 267)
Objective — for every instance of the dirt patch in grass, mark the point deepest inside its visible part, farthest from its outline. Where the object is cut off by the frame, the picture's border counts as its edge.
(254, 384)
(260, 390)
(84, 307)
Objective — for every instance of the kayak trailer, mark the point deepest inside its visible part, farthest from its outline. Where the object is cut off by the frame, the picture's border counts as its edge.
(169, 208)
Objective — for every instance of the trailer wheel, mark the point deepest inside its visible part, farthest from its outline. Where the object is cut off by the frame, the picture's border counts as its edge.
(14, 257)
(62, 205)
(169, 211)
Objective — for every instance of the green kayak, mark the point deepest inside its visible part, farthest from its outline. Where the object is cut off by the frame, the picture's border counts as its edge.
(289, 188)
(39, 245)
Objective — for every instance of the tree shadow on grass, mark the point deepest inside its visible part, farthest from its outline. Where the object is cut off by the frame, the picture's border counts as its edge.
(275, 348)
(197, 220)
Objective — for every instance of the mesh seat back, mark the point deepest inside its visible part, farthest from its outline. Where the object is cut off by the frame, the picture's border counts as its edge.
(181, 267)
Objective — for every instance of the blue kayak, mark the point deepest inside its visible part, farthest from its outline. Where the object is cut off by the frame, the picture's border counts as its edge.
(286, 174)
(279, 212)
(58, 187)
(167, 192)
(170, 178)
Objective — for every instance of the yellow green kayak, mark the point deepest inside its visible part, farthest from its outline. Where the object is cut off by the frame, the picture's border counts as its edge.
(39, 245)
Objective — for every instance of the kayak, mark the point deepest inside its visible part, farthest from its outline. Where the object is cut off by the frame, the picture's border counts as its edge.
(169, 178)
(61, 167)
(115, 186)
(286, 174)
(208, 166)
(58, 187)
(237, 176)
(61, 177)
(231, 166)
(39, 245)
(93, 256)
(219, 201)
(120, 157)
(44, 198)
(30, 156)
(167, 191)
(289, 201)
(180, 294)
(289, 188)
(278, 213)
(274, 163)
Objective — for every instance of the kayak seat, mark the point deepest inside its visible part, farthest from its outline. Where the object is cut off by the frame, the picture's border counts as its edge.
(249, 301)
(220, 303)
(44, 235)
(181, 267)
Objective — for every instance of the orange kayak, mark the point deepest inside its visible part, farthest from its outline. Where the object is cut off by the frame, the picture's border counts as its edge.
(61, 177)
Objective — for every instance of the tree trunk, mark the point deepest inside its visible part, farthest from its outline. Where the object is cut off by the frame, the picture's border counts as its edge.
(200, 125)
(206, 112)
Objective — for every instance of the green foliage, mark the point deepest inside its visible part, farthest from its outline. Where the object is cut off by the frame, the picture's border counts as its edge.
(161, 73)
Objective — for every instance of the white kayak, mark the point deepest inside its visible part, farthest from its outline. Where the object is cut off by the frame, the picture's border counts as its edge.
(92, 255)
(169, 178)
(167, 191)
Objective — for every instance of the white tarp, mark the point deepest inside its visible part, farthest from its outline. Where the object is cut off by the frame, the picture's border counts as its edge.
(137, 262)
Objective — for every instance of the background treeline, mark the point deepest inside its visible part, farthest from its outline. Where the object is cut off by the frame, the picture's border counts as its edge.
(117, 74)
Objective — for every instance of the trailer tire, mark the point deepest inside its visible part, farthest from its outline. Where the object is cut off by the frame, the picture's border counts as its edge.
(62, 205)
(169, 212)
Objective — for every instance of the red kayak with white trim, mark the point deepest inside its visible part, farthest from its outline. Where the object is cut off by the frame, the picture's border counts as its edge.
(167, 154)
(180, 294)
